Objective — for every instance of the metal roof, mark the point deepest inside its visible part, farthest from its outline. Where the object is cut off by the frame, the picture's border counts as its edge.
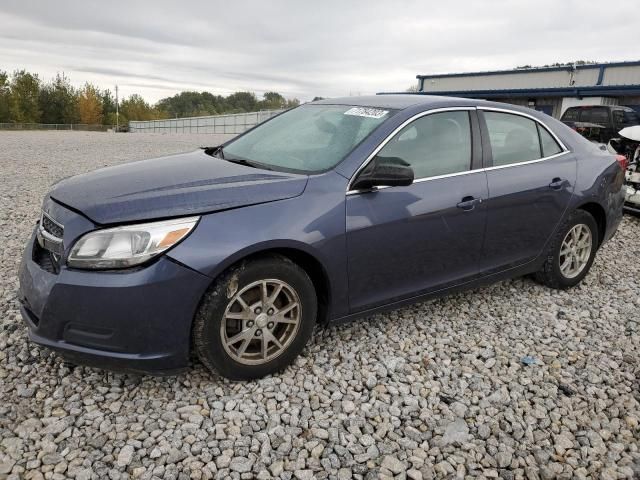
(634, 63)
(582, 77)
(597, 91)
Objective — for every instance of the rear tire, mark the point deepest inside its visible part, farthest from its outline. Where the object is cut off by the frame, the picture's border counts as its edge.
(571, 253)
(256, 318)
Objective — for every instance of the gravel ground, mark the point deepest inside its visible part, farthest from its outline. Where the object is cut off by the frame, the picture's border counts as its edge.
(435, 390)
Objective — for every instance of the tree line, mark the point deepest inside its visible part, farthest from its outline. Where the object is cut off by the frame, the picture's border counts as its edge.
(25, 98)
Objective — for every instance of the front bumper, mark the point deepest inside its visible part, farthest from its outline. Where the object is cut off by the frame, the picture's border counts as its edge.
(134, 320)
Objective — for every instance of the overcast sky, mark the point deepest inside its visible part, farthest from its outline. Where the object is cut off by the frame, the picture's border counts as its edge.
(303, 48)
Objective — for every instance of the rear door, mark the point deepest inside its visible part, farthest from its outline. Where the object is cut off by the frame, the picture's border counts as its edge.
(404, 241)
(531, 177)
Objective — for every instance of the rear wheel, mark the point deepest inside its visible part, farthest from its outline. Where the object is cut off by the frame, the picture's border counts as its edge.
(571, 253)
(256, 319)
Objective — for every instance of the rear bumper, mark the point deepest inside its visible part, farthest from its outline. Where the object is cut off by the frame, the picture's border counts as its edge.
(134, 320)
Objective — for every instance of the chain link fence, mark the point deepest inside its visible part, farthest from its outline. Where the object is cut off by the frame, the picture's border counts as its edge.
(234, 123)
(82, 127)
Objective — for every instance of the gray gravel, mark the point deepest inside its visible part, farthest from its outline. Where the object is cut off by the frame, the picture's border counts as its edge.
(430, 391)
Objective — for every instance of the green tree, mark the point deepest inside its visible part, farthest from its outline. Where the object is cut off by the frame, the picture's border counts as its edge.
(23, 103)
(4, 97)
(108, 107)
(292, 103)
(136, 108)
(273, 101)
(58, 101)
(240, 102)
(191, 104)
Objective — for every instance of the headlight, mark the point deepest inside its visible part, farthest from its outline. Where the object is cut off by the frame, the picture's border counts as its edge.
(130, 245)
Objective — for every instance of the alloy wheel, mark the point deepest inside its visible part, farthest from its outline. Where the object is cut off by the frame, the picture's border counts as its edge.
(575, 250)
(261, 321)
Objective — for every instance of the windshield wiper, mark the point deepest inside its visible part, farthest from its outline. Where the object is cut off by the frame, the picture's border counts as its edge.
(248, 163)
(214, 151)
(219, 153)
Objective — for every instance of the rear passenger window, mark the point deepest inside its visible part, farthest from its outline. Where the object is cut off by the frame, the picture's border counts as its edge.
(513, 138)
(595, 115)
(437, 144)
(549, 144)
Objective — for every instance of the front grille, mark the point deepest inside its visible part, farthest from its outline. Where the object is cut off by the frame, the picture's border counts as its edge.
(45, 259)
(48, 247)
(51, 227)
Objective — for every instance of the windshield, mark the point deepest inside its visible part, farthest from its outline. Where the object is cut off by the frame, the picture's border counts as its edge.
(307, 139)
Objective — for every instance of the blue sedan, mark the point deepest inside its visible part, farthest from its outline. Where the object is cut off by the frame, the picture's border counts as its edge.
(333, 210)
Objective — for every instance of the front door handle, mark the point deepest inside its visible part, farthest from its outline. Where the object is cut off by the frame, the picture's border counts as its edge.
(469, 203)
(557, 183)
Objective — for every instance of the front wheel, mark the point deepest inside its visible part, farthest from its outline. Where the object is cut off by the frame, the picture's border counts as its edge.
(571, 252)
(256, 318)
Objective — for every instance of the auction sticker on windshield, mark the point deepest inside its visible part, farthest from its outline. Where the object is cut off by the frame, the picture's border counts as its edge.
(366, 112)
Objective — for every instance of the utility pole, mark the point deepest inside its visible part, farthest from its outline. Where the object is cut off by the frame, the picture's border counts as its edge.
(117, 112)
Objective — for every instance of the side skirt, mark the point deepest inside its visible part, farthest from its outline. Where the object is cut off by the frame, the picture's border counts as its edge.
(514, 272)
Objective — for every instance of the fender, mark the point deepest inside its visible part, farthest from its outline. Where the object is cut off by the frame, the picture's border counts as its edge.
(313, 224)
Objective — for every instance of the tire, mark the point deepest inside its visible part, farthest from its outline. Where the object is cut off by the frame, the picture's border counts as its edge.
(233, 309)
(551, 274)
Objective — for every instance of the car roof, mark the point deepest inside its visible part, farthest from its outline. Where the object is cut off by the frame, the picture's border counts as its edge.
(396, 101)
(421, 101)
(427, 102)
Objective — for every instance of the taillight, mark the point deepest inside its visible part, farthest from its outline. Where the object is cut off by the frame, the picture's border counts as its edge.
(622, 160)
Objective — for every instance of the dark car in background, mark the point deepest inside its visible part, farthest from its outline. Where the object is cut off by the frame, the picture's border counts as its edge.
(334, 210)
(600, 123)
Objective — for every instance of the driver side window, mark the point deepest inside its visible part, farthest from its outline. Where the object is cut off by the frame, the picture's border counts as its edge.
(436, 144)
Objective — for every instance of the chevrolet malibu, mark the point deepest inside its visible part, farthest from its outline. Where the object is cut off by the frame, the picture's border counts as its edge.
(333, 210)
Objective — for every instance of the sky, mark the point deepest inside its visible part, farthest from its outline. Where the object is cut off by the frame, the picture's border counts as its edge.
(302, 49)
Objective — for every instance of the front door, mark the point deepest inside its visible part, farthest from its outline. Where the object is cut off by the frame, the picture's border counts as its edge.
(531, 181)
(404, 241)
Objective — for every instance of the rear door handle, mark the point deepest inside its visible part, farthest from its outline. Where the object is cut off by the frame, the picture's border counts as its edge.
(469, 203)
(557, 183)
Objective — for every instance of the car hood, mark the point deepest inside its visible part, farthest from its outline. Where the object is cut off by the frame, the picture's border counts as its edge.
(185, 184)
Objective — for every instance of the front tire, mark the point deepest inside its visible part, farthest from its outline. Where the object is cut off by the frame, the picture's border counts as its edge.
(256, 318)
(571, 252)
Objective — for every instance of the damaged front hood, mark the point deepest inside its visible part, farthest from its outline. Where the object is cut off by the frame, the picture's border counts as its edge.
(185, 184)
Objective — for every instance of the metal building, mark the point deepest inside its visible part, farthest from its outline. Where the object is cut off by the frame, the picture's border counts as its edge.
(548, 89)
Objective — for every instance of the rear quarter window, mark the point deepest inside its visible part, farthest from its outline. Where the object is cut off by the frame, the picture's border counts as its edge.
(549, 144)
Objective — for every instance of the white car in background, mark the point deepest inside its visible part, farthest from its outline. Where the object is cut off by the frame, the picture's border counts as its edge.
(628, 145)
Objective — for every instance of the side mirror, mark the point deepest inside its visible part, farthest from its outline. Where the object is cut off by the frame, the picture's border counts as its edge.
(384, 172)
